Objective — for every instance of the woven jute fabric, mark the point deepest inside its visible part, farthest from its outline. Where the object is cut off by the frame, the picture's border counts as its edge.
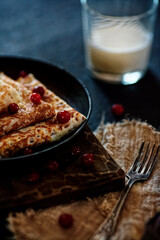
(122, 141)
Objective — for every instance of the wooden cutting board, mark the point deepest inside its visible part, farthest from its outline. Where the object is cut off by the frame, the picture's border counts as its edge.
(72, 181)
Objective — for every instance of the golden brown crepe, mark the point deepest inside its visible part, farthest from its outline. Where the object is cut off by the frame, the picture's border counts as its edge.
(28, 113)
(43, 132)
(30, 82)
(8, 95)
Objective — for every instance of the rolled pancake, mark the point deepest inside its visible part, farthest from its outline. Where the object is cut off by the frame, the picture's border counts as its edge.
(43, 132)
(8, 95)
(30, 82)
(28, 113)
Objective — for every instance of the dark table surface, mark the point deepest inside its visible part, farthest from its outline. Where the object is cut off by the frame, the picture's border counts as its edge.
(51, 30)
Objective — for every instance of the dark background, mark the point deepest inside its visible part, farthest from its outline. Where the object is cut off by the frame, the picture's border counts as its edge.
(51, 30)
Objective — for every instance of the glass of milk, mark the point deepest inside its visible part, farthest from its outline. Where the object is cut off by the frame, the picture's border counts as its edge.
(118, 36)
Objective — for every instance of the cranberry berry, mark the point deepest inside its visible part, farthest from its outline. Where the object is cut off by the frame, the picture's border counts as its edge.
(117, 109)
(36, 98)
(39, 89)
(23, 74)
(53, 166)
(27, 151)
(75, 151)
(33, 177)
(87, 159)
(66, 220)
(13, 108)
(63, 117)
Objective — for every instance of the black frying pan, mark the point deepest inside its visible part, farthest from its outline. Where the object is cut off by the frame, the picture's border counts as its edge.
(60, 82)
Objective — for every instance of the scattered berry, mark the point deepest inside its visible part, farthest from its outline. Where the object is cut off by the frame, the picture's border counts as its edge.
(63, 117)
(27, 151)
(87, 159)
(36, 98)
(53, 166)
(13, 108)
(39, 89)
(117, 109)
(33, 177)
(23, 74)
(66, 220)
(75, 151)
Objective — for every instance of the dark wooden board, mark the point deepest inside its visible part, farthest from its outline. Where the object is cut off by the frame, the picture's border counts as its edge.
(72, 181)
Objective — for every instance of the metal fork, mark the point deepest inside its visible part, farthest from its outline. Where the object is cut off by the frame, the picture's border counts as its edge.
(140, 171)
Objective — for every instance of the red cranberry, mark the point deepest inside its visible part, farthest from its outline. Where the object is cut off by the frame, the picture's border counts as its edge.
(66, 220)
(63, 117)
(33, 177)
(27, 151)
(36, 98)
(13, 108)
(39, 89)
(117, 109)
(87, 159)
(23, 74)
(75, 151)
(53, 166)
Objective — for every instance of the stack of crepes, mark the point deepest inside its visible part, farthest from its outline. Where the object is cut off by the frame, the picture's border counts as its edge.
(33, 124)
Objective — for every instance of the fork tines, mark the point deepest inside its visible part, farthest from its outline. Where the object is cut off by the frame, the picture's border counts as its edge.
(146, 159)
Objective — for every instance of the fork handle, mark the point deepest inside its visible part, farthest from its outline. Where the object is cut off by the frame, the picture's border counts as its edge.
(108, 226)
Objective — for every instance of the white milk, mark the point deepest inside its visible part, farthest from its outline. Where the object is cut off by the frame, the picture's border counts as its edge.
(119, 49)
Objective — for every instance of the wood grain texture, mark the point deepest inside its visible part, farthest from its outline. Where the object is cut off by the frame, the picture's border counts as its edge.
(71, 182)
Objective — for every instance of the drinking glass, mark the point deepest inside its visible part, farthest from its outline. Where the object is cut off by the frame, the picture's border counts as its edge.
(118, 35)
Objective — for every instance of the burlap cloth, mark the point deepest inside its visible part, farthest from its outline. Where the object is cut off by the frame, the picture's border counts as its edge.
(122, 140)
